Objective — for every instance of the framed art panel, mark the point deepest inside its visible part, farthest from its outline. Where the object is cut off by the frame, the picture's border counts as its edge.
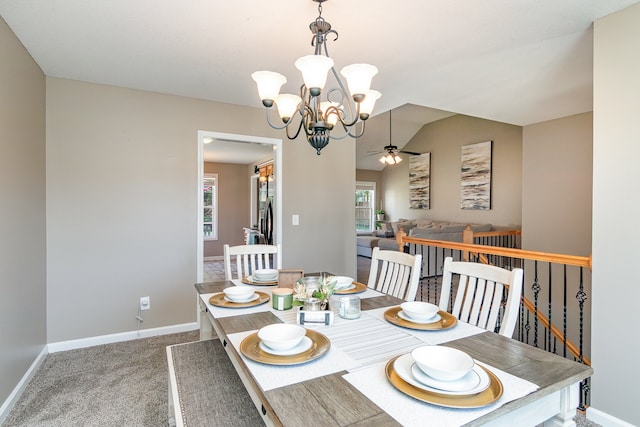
(419, 181)
(475, 181)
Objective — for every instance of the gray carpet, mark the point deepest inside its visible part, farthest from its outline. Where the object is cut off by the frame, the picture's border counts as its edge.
(120, 384)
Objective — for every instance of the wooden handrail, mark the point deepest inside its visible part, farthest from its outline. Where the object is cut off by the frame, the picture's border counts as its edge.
(578, 261)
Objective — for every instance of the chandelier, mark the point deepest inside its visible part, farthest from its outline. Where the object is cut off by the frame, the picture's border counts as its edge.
(316, 114)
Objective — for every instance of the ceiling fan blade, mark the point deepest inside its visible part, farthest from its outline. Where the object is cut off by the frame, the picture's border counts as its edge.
(410, 152)
(373, 153)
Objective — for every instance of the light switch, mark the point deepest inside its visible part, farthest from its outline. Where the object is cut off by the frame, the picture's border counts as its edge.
(295, 219)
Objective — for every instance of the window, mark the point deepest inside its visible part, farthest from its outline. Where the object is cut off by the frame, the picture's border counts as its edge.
(210, 205)
(365, 201)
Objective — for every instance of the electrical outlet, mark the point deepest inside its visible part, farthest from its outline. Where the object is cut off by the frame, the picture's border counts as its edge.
(145, 303)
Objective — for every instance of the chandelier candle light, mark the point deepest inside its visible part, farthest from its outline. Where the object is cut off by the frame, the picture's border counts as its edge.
(319, 116)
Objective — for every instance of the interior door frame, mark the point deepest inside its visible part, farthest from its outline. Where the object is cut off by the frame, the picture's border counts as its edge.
(277, 161)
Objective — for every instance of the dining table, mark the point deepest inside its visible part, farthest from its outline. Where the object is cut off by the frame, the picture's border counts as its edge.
(352, 379)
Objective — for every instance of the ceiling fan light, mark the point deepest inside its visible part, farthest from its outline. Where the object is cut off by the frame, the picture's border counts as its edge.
(314, 69)
(287, 105)
(398, 159)
(269, 84)
(359, 78)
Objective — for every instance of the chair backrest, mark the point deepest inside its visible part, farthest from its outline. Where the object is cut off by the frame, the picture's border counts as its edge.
(249, 258)
(481, 289)
(395, 273)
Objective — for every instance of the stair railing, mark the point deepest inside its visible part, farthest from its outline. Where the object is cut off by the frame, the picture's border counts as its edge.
(549, 280)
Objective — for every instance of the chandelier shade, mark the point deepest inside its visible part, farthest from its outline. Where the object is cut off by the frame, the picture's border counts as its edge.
(269, 84)
(318, 111)
(287, 105)
(359, 78)
(314, 69)
(367, 104)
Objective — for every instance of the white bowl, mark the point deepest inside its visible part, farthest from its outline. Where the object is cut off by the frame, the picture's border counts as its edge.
(441, 362)
(419, 310)
(238, 293)
(281, 336)
(265, 274)
(343, 282)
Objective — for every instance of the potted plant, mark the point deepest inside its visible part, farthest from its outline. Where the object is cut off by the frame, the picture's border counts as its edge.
(380, 214)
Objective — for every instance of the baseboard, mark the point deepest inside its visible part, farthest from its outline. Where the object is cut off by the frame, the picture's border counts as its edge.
(603, 419)
(19, 389)
(124, 336)
(213, 258)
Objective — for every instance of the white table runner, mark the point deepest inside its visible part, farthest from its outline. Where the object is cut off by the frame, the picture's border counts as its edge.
(372, 382)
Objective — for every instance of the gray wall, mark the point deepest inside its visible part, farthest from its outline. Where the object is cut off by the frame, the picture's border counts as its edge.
(22, 211)
(233, 205)
(121, 177)
(616, 150)
(444, 139)
(557, 175)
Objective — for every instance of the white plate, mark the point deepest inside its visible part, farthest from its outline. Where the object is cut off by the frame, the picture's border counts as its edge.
(304, 345)
(434, 319)
(405, 365)
(255, 279)
(345, 288)
(251, 298)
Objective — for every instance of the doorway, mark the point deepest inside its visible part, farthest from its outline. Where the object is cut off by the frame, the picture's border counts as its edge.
(240, 146)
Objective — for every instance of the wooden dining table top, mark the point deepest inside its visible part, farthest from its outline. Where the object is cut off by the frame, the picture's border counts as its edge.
(331, 400)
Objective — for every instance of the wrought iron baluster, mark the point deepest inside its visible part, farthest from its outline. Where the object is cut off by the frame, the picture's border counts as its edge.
(564, 314)
(585, 386)
(536, 291)
(550, 290)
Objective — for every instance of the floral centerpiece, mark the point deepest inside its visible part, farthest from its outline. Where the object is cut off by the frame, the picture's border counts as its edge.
(314, 287)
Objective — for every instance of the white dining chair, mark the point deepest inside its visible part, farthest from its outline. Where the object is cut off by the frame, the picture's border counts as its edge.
(481, 289)
(249, 258)
(395, 273)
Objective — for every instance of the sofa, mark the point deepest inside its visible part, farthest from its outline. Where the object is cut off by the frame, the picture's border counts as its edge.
(386, 237)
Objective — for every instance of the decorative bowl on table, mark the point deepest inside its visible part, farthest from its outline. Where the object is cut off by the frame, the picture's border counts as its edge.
(281, 336)
(310, 281)
(265, 274)
(342, 282)
(238, 293)
(419, 310)
(441, 362)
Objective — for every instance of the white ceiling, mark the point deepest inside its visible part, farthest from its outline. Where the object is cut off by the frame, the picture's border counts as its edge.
(517, 62)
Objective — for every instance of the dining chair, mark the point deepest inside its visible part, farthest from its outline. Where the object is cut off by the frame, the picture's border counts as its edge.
(395, 273)
(480, 294)
(249, 258)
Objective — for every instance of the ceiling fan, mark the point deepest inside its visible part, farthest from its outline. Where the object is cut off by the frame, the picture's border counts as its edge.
(390, 153)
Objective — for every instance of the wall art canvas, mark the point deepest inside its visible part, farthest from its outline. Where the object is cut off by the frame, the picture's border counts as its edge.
(475, 191)
(419, 181)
